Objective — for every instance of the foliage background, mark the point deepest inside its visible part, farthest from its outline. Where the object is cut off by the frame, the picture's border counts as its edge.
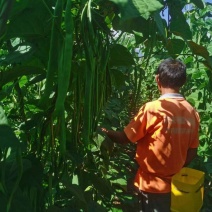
(70, 66)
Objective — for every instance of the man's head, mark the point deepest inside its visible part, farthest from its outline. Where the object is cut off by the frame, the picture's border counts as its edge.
(171, 73)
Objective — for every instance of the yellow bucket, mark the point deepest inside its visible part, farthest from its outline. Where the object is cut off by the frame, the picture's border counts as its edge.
(187, 190)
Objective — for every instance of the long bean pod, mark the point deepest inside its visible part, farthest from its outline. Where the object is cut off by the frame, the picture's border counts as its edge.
(88, 41)
(53, 53)
(64, 71)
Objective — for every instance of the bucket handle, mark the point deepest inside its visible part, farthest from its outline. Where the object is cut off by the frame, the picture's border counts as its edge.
(189, 192)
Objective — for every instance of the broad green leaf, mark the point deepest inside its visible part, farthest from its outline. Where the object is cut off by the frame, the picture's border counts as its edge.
(120, 56)
(135, 8)
(34, 25)
(19, 6)
(198, 49)
(198, 3)
(17, 57)
(179, 26)
(138, 24)
(118, 78)
(18, 71)
(175, 46)
(138, 37)
(23, 81)
(159, 23)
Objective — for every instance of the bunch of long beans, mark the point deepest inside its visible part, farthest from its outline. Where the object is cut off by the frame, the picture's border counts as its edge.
(77, 96)
(96, 49)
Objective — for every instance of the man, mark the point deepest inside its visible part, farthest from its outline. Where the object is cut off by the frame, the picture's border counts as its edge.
(166, 134)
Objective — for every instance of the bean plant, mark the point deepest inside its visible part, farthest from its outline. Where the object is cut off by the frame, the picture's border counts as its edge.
(70, 67)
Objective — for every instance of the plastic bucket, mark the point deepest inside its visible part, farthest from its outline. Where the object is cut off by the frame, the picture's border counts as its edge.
(187, 190)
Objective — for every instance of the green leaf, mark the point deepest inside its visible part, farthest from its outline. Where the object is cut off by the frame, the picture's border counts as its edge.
(34, 121)
(209, 48)
(159, 23)
(180, 27)
(18, 71)
(208, 164)
(75, 179)
(198, 49)
(198, 3)
(117, 210)
(8, 138)
(133, 25)
(3, 118)
(34, 25)
(17, 57)
(32, 173)
(208, 62)
(102, 185)
(19, 198)
(135, 8)
(120, 56)
(120, 181)
(175, 46)
(19, 6)
(118, 78)
(76, 191)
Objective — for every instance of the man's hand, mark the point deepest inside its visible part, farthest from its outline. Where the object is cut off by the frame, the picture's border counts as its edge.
(116, 136)
(104, 130)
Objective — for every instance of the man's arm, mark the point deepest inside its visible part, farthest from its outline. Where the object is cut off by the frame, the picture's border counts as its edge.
(191, 154)
(116, 136)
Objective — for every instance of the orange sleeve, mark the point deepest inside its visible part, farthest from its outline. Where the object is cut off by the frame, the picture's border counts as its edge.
(136, 129)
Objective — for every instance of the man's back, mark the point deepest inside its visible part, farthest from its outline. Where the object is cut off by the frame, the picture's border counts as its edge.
(164, 130)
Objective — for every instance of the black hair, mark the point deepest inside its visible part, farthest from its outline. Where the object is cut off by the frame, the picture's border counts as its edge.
(172, 73)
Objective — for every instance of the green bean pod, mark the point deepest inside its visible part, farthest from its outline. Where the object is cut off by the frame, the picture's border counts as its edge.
(64, 73)
(53, 53)
(64, 70)
(88, 38)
